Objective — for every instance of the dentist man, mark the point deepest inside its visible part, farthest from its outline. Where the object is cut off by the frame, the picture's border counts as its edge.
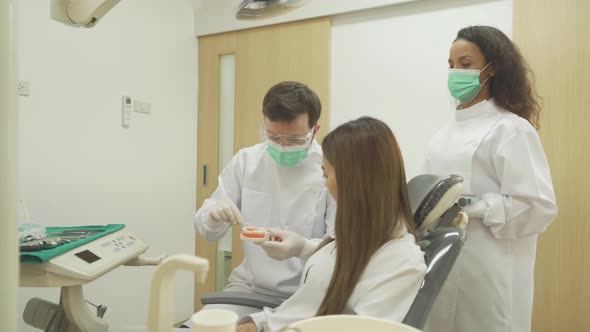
(277, 183)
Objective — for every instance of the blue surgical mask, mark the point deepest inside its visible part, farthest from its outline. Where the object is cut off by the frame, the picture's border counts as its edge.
(464, 83)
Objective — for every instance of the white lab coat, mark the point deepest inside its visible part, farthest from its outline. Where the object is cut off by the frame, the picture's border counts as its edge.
(500, 156)
(270, 195)
(386, 289)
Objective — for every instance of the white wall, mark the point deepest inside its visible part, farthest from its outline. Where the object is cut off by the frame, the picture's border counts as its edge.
(391, 63)
(215, 16)
(78, 166)
(8, 186)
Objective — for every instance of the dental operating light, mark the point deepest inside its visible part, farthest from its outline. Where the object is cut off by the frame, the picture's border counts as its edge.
(262, 9)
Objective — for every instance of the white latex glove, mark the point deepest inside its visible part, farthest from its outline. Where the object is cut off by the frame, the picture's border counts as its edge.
(225, 211)
(290, 245)
(477, 209)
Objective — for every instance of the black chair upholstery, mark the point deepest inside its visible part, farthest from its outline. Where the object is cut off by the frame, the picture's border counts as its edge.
(441, 249)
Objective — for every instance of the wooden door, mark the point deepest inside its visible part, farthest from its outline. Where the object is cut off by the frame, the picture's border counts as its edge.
(554, 38)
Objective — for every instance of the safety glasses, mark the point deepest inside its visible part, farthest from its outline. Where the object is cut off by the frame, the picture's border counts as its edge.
(287, 140)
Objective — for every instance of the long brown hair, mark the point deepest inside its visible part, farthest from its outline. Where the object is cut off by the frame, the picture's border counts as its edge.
(512, 84)
(372, 205)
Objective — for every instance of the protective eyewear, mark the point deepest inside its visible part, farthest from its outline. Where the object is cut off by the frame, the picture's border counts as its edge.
(288, 140)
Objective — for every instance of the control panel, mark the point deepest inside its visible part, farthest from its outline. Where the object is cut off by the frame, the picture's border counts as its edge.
(84, 263)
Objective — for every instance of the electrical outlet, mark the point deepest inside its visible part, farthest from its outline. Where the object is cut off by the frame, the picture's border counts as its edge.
(142, 106)
(22, 88)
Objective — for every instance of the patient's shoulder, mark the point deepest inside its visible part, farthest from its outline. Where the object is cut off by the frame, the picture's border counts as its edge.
(401, 252)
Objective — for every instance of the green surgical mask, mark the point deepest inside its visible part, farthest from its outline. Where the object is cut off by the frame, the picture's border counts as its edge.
(287, 156)
(464, 83)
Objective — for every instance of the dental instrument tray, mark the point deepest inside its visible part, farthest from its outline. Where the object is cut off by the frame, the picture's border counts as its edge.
(37, 250)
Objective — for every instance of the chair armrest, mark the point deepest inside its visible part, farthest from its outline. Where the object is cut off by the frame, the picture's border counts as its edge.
(241, 298)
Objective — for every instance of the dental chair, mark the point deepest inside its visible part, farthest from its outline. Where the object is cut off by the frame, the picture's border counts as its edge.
(440, 226)
(440, 233)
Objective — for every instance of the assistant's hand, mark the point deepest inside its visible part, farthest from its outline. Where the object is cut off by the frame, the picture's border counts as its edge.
(476, 210)
(246, 327)
(225, 211)
(461, 220)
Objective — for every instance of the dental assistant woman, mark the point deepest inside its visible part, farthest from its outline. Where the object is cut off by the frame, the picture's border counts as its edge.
(373, 268)
(277, 183)
(493, 144)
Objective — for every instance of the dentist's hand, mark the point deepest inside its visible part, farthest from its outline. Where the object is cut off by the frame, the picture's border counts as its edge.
(290, 245)
(225, 211)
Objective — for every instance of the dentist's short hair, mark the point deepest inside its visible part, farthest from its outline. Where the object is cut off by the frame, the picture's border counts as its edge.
(286, 100)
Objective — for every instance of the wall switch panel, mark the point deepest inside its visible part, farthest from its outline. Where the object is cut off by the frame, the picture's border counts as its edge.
(126, 110)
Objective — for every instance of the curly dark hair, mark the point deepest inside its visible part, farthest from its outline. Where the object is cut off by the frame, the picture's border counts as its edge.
(512, 85)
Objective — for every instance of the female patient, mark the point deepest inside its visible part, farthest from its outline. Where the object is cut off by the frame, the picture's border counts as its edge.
(374, 267)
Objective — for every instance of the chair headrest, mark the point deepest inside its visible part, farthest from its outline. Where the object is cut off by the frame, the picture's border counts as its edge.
(431, 196)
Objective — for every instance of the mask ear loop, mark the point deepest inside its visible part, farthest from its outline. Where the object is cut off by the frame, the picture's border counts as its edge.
(311, 137)
(486, 80)
(480, 86)
(262, 131)
(489, 76)
(486, 66)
